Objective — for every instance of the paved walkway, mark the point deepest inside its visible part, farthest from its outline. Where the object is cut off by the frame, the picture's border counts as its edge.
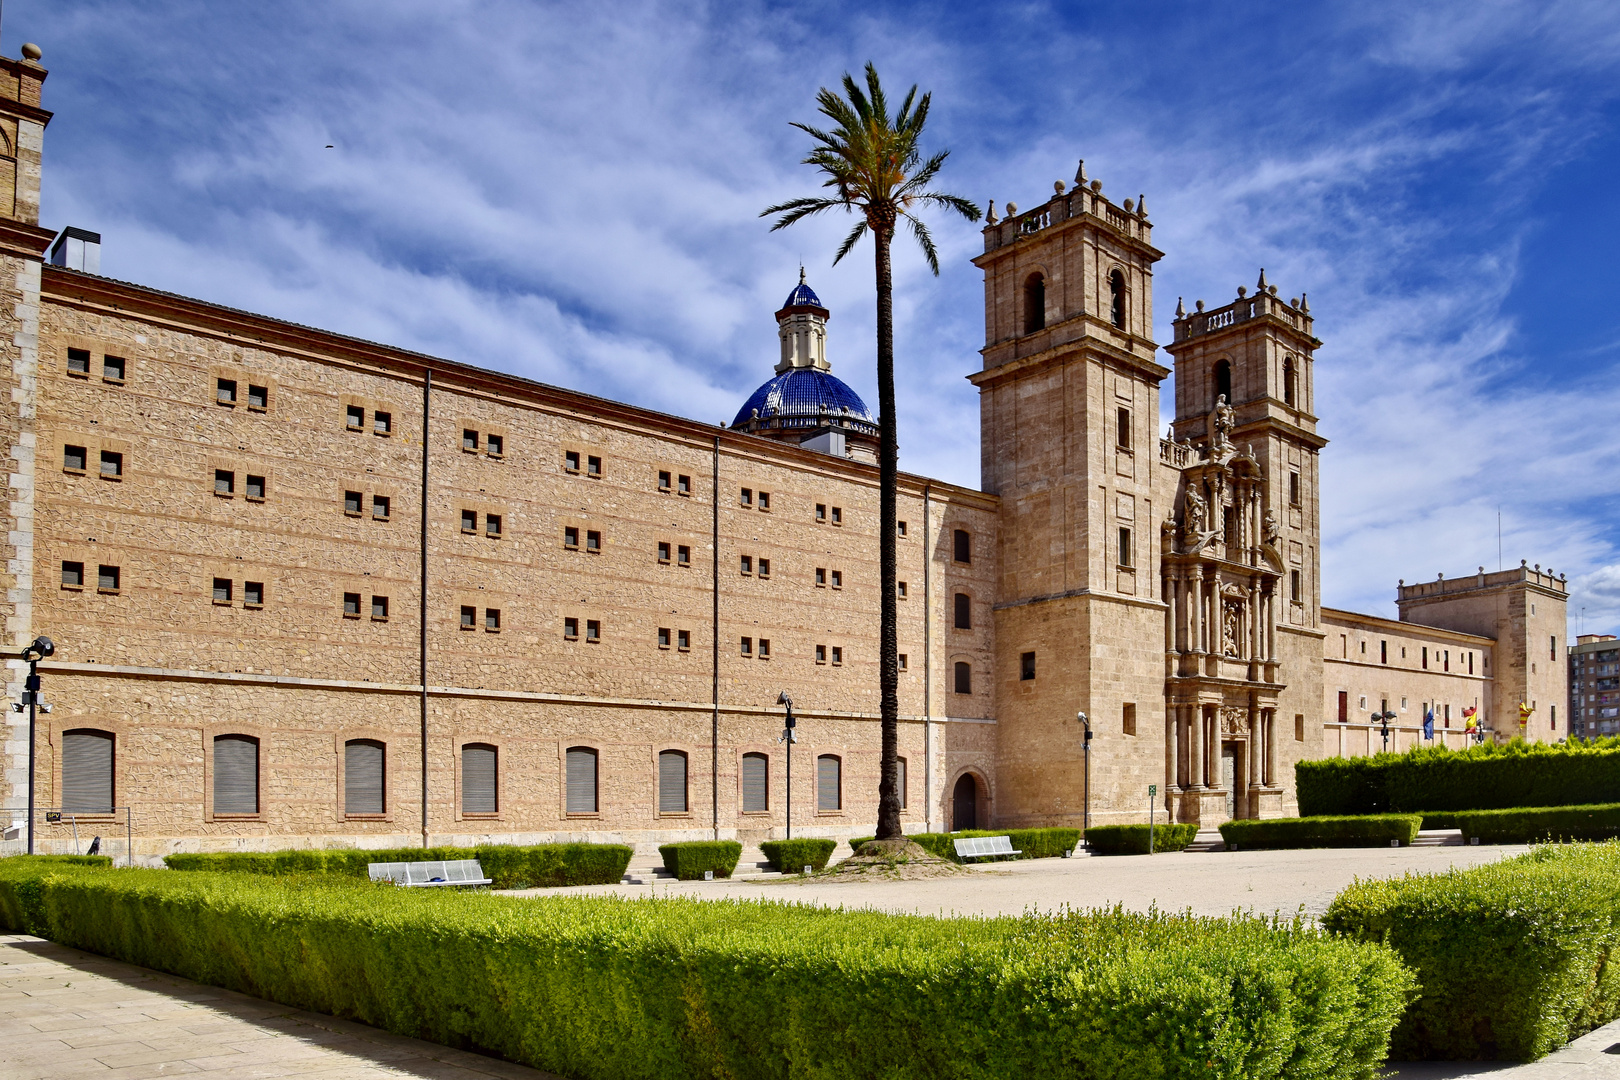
(1594, 1056)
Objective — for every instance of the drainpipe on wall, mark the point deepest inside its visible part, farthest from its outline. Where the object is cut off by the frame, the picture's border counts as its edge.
(928, 672)
(422, 664)
(714, 635)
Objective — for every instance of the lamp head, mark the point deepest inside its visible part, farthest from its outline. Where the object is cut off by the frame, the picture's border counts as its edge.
(39, 649)
(783, 699)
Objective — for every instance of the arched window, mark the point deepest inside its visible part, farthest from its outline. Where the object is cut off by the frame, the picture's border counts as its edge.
(1116, 298)
(964, 612)
(963, 547)
(1288, 381)
(1034, 303)
(1223, 380)
(671, 782)
(87, 771)
(363, 781)
(756, 783)
(581, 780)
(964, 677)
(479, 774)
(829, 783)
(236, 774)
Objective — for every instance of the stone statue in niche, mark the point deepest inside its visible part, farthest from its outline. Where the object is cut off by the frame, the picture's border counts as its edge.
(1222, 419)
(1234, 721)
(1231, 627)
(1192, 518)
(1272, 531)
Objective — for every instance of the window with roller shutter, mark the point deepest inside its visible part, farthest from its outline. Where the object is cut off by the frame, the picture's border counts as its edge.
(236, 774)
(87, 771)
(363, 790)
(478, 776)
(829, 787)
(756, 783)
(901, 781)
(581, 765)
(672, 782)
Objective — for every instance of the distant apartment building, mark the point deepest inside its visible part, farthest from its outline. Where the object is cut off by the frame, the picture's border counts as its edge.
(1594, 686)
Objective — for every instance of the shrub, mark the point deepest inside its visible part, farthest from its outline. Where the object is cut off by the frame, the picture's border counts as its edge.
(690, 858)
(1515, 958)
(1543, 823)
(792, 856)
(102, 861)
(1041, 843)
(1133, 839)
(1375, 830)
(677, 988)
(509, 866)
(1487, 777)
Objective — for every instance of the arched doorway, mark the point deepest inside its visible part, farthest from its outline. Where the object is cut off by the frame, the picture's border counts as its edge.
(965, 804)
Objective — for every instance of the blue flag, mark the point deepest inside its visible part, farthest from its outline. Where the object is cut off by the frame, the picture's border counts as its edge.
(1428, 724)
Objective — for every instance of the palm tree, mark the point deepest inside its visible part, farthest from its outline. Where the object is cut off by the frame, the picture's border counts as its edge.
(876, 171)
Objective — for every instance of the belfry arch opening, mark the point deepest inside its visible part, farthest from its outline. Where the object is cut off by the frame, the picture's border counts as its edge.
(1034, 303)
(1290, 382)
(1223, 380)
(1116, 298)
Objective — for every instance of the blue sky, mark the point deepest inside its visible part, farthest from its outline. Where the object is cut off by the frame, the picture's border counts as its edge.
(569, 192)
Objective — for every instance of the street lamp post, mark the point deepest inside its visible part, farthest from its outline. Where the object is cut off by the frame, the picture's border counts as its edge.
(790, 737)
(1086, 745)
(1384, 718)
(36, 651)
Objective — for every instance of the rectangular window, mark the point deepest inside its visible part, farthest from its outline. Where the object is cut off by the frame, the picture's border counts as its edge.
(352, 501)
(683, 485)
(593, 542)
(900, 780)
(112, 465)
(1128, 720)
(224, 482)
(963, 677)
(755, 783)
(764, 569)
(837, 655)
(900, 529)
(571, 540)
(382, 423)
(253, 593)
(354, 418)
(222, 590)
(73, 458)
(236, 774)
(1294, 595)
(494, 446)
(1026, 667)
(571, 461)
(225, 392)
(379, 608)
(593, 630)
(492, 525)
(87, 771)
(363, 787)
(765, 501)
(1470, 663)
(764, 648)
(663, 480)
(253, 487)
(1125, 547)
(1293, 489)
(1299, 727)
(748, 496)
(1344, 706)
(469, 440)
(593, 466)
(963, 612)
(1383, 652)
(1445, 660)
(380, 507)
(351, 605)
(78, 362)
(683, 555)
(1124, 429)
(73, 575)
(1425, 658)
(663, 551)
(469, 617)
(492, 620)
(663, 637)
(683, 640)
(838, 579)
(821, 511)
(821, 577)
(902, 661)
(580, 797)
(258, 397)
(837, 516)
(962, 549)
(821, 654)
(570, 629)
(748, 646)
(469, 521)
(829, 786)
(112, 369)
(479, 779)
(900, 589)
(1554, 640)
(747, 565)
(671, 782)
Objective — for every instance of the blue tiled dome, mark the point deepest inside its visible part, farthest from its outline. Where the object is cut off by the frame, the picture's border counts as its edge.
(803, 296)
(805, 398)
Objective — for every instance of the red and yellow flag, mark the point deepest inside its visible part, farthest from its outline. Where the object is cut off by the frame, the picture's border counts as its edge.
(1524, 713)
(1471, 714)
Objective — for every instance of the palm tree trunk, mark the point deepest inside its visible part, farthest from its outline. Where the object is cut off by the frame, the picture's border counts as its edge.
(888, 823)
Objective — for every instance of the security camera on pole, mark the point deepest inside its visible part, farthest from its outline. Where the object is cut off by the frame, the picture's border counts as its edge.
(790, 737)
(37, 650)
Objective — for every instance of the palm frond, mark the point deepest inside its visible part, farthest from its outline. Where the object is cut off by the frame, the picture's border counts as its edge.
(962, 206)
(920, 231)
(849, 241)
(799, 209)
(874, 89)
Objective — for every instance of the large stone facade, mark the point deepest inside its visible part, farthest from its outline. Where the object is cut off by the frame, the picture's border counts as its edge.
(552, 616)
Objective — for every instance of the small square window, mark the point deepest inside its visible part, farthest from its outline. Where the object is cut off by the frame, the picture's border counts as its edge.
(764, 568)
(379, 607)
(1026, 667)
(469, 521)
(352, 501)
(683, 555)
(838, 579)
(765, 501)
(683, 485)
(663, 480)
(663, 637)
(224, 482)
(494, 445)
(902, 661)
(225, 391)
(112, 465)
(748, 646)
(73, 458)
(469, 440)
(900, 529)
(900, 589)
(381, 505)
(838, 655)
(593, 630)
(764, 648)
(748, 496)
(253, 487)
(78, 362)
(222, 590)
(837, 516)
(492, 525)
(492, 620)
(821, 511)
(382, 423)
(73, 575)
(355, 418)
(821, 654)
(253, 594)
(747, 565)
(821, 577)
(663, 551)
(107, 578)
(258, 397)
(112, 369)
(469, 617)
(683, 640)
(571, 537)
(571, 460)
(570, 629)
(593, 466)
(593, 542)
(351, 605)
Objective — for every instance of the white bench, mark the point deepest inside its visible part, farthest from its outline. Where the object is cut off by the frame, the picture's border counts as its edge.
(430, 874)
(980, 847)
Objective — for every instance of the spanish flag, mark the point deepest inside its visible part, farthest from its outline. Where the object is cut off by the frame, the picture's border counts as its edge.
(1471, 714)
(1524, 713)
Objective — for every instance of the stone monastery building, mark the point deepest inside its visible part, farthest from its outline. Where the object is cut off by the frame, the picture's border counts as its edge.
(311, 590)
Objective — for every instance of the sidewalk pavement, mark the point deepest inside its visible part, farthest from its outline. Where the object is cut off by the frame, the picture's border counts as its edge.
(1594, 1056)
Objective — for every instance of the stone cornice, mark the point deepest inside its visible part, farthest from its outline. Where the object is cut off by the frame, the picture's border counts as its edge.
(1087, 348)
(24, 241)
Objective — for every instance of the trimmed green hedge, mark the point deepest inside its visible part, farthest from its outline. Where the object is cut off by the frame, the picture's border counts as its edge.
(1374, 830)
(1515, 958)
(792, 856)
(1044, 843)
(509, 866)
(679, 989)
(1487, 777)
(1541, 824)
(688, 859)
(102, 861)
(1133, 839)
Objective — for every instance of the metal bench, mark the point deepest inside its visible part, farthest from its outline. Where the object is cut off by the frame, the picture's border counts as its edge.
(429, 874)
(981, 847)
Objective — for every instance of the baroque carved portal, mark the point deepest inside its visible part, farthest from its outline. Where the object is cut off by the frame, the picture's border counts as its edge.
(1234, 721)
(1232, 627)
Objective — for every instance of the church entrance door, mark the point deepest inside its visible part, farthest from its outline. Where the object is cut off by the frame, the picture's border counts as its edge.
(1229, 758)
(965, 804)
